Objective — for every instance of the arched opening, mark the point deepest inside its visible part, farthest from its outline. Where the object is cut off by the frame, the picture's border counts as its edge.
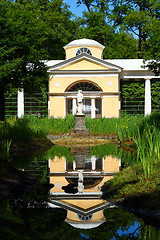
(92, 102)
(83, 50)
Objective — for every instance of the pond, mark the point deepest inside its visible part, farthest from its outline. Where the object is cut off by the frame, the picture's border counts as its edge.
(65, 199)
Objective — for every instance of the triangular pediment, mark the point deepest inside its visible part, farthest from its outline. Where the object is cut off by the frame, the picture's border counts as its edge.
(84, 62)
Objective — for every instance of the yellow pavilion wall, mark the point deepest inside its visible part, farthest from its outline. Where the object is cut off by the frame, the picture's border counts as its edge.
(110, 106)
(100, 81)
(71, 51)
(57, 107)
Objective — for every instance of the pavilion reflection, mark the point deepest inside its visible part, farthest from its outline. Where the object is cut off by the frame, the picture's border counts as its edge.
(77, 186)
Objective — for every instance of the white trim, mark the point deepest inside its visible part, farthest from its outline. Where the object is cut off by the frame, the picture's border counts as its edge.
(76, 194)
(58, 96)
(110, 96)
(85, 96)
(85, 75)
(112, 67)
(137, 74)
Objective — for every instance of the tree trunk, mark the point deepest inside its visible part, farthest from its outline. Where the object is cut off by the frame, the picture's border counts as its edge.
(2, 104)
(140, 43)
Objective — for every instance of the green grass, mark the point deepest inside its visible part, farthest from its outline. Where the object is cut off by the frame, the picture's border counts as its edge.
(125, 128)
(132, 185)
(30, 126)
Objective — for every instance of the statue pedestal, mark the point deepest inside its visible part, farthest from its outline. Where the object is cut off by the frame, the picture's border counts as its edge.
(80, 129)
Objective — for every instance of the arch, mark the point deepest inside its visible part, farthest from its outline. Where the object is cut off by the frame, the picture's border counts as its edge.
(84, 85)
(87, 185)
(83, 50)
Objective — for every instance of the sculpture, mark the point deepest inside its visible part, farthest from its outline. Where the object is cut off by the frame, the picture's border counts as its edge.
(80, 181)
(79, 102)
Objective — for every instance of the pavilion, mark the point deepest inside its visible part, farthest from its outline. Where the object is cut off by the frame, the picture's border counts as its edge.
(99, 79)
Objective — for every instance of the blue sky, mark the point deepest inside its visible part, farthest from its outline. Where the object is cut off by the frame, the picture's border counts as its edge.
(74, 9)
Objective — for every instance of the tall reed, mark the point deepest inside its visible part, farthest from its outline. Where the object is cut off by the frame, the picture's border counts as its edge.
(148, 144)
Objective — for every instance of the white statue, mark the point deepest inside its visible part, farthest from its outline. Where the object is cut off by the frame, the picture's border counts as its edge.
(80, 181)
(79, 102)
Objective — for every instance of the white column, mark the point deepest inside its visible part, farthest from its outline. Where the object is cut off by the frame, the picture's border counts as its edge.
(120, 164)
(48, 106)
(74, 165)
(103, 164)
(65, 110)
(119, 105)
(93, 108)
(20, 103)
(74, 106)
(147, 96)
(93, 161)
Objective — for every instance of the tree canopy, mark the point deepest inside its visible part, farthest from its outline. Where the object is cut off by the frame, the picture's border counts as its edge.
(139, 20)
(36, 30)
(31, 31)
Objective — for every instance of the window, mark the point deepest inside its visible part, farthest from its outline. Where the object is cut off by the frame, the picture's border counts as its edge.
(85, 217)
(83, 50)
(84, 86)
(69, 106)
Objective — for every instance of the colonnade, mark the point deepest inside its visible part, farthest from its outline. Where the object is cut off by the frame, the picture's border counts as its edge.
(93, 107)
(147, 108)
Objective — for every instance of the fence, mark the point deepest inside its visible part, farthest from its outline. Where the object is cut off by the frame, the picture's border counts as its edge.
(132, 106)
(135, 106)
(35, 104)
(10, 104)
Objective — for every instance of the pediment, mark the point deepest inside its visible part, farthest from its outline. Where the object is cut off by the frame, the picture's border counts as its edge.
(84, 62)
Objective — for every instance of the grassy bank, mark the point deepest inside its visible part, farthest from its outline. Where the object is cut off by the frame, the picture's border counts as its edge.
(136, 190)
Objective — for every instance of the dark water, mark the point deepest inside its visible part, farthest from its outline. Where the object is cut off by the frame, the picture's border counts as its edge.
(71, 207)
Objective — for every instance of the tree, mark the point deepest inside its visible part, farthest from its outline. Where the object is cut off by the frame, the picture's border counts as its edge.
(153, 53)
(131, 16)
(117, 44)
(136, 16)
(30, 32)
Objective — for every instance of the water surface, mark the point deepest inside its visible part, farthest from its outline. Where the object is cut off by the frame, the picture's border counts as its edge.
(72, 207)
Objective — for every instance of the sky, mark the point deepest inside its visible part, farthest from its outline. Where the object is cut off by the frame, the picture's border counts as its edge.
(74, 9)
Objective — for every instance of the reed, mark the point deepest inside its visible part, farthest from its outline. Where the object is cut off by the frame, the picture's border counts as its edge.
(125, 128)
(148, 144)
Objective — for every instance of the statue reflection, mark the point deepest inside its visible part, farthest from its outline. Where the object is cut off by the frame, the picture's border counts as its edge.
(78, 186)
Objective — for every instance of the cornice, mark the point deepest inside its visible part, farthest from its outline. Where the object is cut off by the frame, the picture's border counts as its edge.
(82, 57)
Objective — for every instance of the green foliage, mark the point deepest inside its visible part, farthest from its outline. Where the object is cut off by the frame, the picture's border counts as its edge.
(132, 94)
(127, 157)
(125, 127)
(132, 89)
(31, 31)
(60, 152)
(135, 22)
(131, 184)
(117, 44)
(20, 130)
(29, 127)
(148, 144)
